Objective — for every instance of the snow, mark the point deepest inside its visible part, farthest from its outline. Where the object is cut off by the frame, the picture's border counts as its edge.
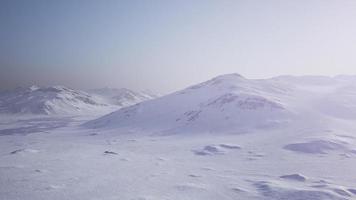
(49, 100)
(228, 102)
(122, 96)
(227, 138)
(60, 100)
(316, 146)
(295, 177)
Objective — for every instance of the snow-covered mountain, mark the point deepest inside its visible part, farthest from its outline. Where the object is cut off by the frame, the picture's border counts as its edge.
(49, 100)
(228, 102)
(122, 97)
(233, 103)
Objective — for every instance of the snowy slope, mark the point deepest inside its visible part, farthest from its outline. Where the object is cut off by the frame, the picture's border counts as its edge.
(228, 102)
(235, 104)
(121, 96)
(49, 100)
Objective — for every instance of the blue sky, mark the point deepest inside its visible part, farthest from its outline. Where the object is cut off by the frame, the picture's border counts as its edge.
(168, 45)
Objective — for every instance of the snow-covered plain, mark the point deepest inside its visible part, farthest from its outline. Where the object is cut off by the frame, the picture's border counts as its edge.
(228, 138)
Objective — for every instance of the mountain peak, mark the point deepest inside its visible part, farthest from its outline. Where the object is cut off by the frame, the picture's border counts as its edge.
(55, 89)
(229, 76)
(227, 102)
(50, 100)
(226, 79)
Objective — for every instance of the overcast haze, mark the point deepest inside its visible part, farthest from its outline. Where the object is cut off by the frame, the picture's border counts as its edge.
(168, 45)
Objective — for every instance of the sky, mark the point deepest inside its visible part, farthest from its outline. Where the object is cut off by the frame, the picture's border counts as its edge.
(170, 44)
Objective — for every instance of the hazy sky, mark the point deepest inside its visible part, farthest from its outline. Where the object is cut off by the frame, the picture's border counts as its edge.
(166, 45)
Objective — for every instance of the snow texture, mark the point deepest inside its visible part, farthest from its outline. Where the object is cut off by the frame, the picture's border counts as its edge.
(284, 138)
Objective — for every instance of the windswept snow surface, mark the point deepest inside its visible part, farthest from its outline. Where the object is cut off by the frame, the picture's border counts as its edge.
(228, 138)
